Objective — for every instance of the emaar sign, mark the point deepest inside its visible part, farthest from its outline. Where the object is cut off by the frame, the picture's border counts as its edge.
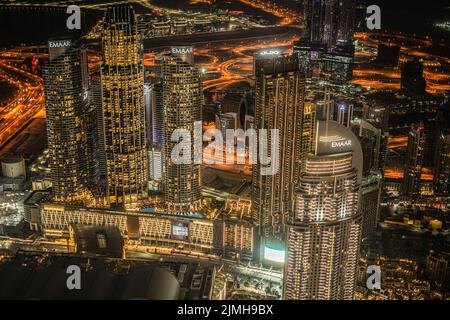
(179, 50)
(59, 44)
(340, 144)
(333, 138)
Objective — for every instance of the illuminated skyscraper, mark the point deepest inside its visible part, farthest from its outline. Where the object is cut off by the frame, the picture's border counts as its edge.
(342, 113)
(148, 93)
(124, 109)
(310, 57)
(329, 21)
(442, 164)
(413, 161)
(91, 116)
(280, 89)
(346, 21)
(182, 102)
(324, 231)
(325, 49)
(90, 113)
(95, 100)
(66, 127)
(157, 115)
(155, 164)
(371, 185)
(308, 120)
(320, 24)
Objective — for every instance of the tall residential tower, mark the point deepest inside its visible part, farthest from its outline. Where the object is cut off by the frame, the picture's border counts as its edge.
(442, 164)
(414, 161)
(182, 103)
(66, 125)
(124, 109)
(280, 89)
(324, 231)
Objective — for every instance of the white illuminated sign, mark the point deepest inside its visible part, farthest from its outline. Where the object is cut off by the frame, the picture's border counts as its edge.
(338, 144)
(182, 50)
(270, 52)
(59, 44)
(274, 255)
(336, 141)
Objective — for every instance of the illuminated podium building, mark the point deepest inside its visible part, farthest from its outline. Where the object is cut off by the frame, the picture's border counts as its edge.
(228, 232)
